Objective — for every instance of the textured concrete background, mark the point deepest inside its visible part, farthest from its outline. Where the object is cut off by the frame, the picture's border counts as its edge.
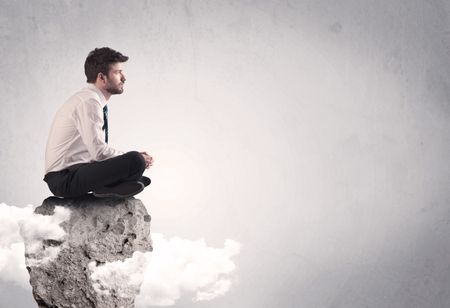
(316, 133)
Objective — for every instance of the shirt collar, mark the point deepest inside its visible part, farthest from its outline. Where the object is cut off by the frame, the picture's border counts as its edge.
(103, 101)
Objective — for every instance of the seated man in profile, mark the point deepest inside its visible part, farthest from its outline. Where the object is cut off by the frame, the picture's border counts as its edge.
(78, 159)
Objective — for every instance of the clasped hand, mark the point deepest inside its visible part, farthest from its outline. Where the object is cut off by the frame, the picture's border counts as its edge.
(148, 160)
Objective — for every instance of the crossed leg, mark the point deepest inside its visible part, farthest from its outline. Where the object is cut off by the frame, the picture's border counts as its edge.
(82, 178)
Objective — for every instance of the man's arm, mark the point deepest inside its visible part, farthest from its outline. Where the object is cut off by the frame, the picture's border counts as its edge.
(89, 122)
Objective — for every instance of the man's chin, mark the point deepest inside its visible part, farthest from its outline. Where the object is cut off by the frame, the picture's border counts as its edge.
(115, 91)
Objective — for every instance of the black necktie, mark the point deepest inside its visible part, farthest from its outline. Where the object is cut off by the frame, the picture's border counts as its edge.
(105, 122)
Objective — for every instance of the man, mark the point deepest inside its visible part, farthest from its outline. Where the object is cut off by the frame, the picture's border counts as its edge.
(78, 159)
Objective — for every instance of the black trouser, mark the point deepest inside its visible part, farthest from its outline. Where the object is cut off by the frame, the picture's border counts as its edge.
(77, 180)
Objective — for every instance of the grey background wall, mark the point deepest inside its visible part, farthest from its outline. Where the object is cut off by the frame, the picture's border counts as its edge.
(315, 133)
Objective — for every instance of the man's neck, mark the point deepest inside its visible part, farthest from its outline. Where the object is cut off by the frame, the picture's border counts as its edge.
(105, 93)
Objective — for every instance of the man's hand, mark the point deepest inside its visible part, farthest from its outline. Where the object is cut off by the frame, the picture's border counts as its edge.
(148, 160)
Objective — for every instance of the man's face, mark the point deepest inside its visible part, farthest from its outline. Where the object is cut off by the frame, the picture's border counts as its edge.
(115, 79)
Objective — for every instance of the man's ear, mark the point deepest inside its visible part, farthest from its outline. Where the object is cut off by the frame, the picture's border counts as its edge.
(101, 77)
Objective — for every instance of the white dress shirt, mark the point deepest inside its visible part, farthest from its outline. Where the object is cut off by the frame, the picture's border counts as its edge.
(76, 135)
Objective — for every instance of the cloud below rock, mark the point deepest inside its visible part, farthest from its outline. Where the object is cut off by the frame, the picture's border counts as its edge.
(176, 266)
(12, 250)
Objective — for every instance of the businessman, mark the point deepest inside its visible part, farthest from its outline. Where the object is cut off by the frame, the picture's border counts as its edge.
(78, 158)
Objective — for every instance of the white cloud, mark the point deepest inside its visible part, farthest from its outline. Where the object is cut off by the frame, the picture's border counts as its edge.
(17, 224)
(12, 264)
(175, 267)
(179, 266)
(125, 277)
(12, 251)
(35, 228)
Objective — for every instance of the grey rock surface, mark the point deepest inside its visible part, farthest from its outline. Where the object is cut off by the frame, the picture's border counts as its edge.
(99, 231)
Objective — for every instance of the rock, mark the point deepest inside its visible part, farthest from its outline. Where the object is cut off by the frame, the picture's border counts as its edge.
(68, 270)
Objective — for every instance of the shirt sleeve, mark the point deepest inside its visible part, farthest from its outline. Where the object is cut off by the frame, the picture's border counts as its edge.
(89, 122)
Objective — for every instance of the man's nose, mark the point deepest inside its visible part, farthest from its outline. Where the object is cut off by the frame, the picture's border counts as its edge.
(123, 78)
